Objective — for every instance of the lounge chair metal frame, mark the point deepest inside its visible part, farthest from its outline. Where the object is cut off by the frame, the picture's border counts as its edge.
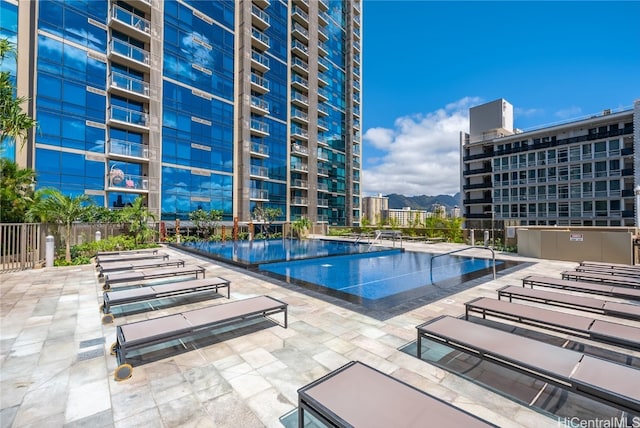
(582, 287)
(141, 275)
(602, 278)
(129, 257)
(160, 291)
(588, 304)
(187, 324)
(376, 387)
(589, 328)
(608, 271)
(583, 374)
(137, 264)
(613, 266)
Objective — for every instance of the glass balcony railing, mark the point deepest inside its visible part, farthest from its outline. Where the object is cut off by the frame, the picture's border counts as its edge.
(260, 13)
(323, 93)
(259, 171)
(299, 97)
(322, 33)
(130, 19)
(300, 63)
(299, 200)
(300, 167)
(323, 202)
(260, 58)
(127, 148)
(323, 124)
(128, 50)
(299, 114)
(133, 117)
(117, 179)
(323, 187)
(301, 30)
(303, 184)
(297, 11)
(260, 81)
(128, 83)
(259, 103)
(260, 36)
(301, 80)
(297, 148)
(299, 131)
(262, 127)
(323, 171)
(259, 148)
(259, 194)
(297, 44)
(323, 64)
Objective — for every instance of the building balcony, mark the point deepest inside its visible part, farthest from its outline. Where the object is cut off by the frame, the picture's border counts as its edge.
(300, 33)
(300, 66)
(300, 16)
(129, 23)
(356, 33)
(322, 218)
(323, 187)
(299, 82)
(259, 18)
(129, 55)
(323, 64)
(356, 59)
(259, 61)
(323, 35)
(259, 106)
(323, 125)
(259, 40)
(299, 116)
(259, 172)
(484, 170)
(259, 150)
(323, 5)
(300, 49)
(299, 132)
(258, 195)
(323, 110)
(299, 167)
(323, 171)
(323, 19)
(129, 87)
(259, 128)
(300, 184)
(323, 94)
(323, 156)
(356, 46)
(477, 186)
(133, 119)
(121, 182)
(323, 203)
(323, 141)
(322, 80)
(323, 50)
(299, 200)
(304, 4)
(299, 99)
(259, 84)
(126, 150)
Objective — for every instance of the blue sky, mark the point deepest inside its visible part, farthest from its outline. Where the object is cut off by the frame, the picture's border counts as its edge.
(426, 62)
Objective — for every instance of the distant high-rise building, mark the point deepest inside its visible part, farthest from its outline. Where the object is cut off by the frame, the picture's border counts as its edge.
(579, 173)
(225, 105)
(373, 208)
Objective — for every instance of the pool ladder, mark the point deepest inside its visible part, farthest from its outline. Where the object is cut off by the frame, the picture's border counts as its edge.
(493, 256)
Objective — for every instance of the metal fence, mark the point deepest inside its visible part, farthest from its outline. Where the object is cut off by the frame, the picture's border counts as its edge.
(21, 246)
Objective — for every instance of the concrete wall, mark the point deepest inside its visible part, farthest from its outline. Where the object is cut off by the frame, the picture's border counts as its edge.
(577, 244)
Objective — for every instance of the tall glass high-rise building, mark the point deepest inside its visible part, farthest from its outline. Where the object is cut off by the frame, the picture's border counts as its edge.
(227, 105)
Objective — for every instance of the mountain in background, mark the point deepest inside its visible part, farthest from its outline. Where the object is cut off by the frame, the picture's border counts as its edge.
(422, 202)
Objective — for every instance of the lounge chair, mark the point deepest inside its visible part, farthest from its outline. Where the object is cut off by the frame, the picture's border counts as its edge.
(130, 337)
(608, 271)
(588, 304)
(130, 257)
(602, 278)
(141, 275)
(582, 287)
(127, 252)
(590, 328)
(608, 382)
(357, 395)
(137, 264)
(613, 266)
(159, 291)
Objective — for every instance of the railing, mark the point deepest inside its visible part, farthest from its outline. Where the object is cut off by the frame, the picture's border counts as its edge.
(260, 13)
(123, 114)
(258, 194)
(493, 255)
(260, 148)
(127, 148)
(258, 126)
(297, 44)
(298, 130)
(126, 49)
(297, 148)
(259, 103)
(259, 171)
(300, 29)
(259, 58)
(260, 36)
(300, 63)
(259, 80)
(303, 184)
(301, 80)
(298, 11)
(130, 19)
(128, 181)
(21, 246)
(128, 83)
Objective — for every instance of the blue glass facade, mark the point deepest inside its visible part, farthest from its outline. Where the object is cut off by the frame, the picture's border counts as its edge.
(9, 31)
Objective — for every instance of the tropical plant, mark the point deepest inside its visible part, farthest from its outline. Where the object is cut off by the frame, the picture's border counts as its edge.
(53, 207)
(16, 191)
(266, 217)
(137, 217)
(301, 227)
(205, 221)
(14, 122)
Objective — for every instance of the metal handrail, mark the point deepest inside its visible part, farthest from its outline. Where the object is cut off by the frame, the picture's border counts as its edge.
(493, 254)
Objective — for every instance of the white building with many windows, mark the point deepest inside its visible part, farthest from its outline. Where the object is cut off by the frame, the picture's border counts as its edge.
(580, 173)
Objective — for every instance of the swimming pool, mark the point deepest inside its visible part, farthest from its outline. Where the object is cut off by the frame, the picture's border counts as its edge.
(253, 253)
(381, 280)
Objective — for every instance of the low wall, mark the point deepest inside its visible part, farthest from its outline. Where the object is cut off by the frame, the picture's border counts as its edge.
(577, 244)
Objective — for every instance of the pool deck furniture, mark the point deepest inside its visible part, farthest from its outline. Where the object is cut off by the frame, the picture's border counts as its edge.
(612, 266)
(160, 291)
(100, 260)
(601, 278)
(582, 287)
(142, 275)
(608, 382)
(357, 395)
(137, 264)
(587, 327)
(608, 271)
(137, 335)
(127, 252)
(581, 303)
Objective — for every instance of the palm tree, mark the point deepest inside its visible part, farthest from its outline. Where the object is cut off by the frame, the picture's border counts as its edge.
(137, 216)
(14, 123)
(54, 207)
(16, 191)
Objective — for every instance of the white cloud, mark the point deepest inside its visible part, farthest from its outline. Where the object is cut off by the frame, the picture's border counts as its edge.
(568, 113)
(420, 155)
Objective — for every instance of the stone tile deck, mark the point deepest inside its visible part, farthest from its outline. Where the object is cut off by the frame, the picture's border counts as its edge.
(57, 371)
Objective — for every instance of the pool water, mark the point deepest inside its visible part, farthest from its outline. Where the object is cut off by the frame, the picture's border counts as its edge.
(252, 253)
(377, 276)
